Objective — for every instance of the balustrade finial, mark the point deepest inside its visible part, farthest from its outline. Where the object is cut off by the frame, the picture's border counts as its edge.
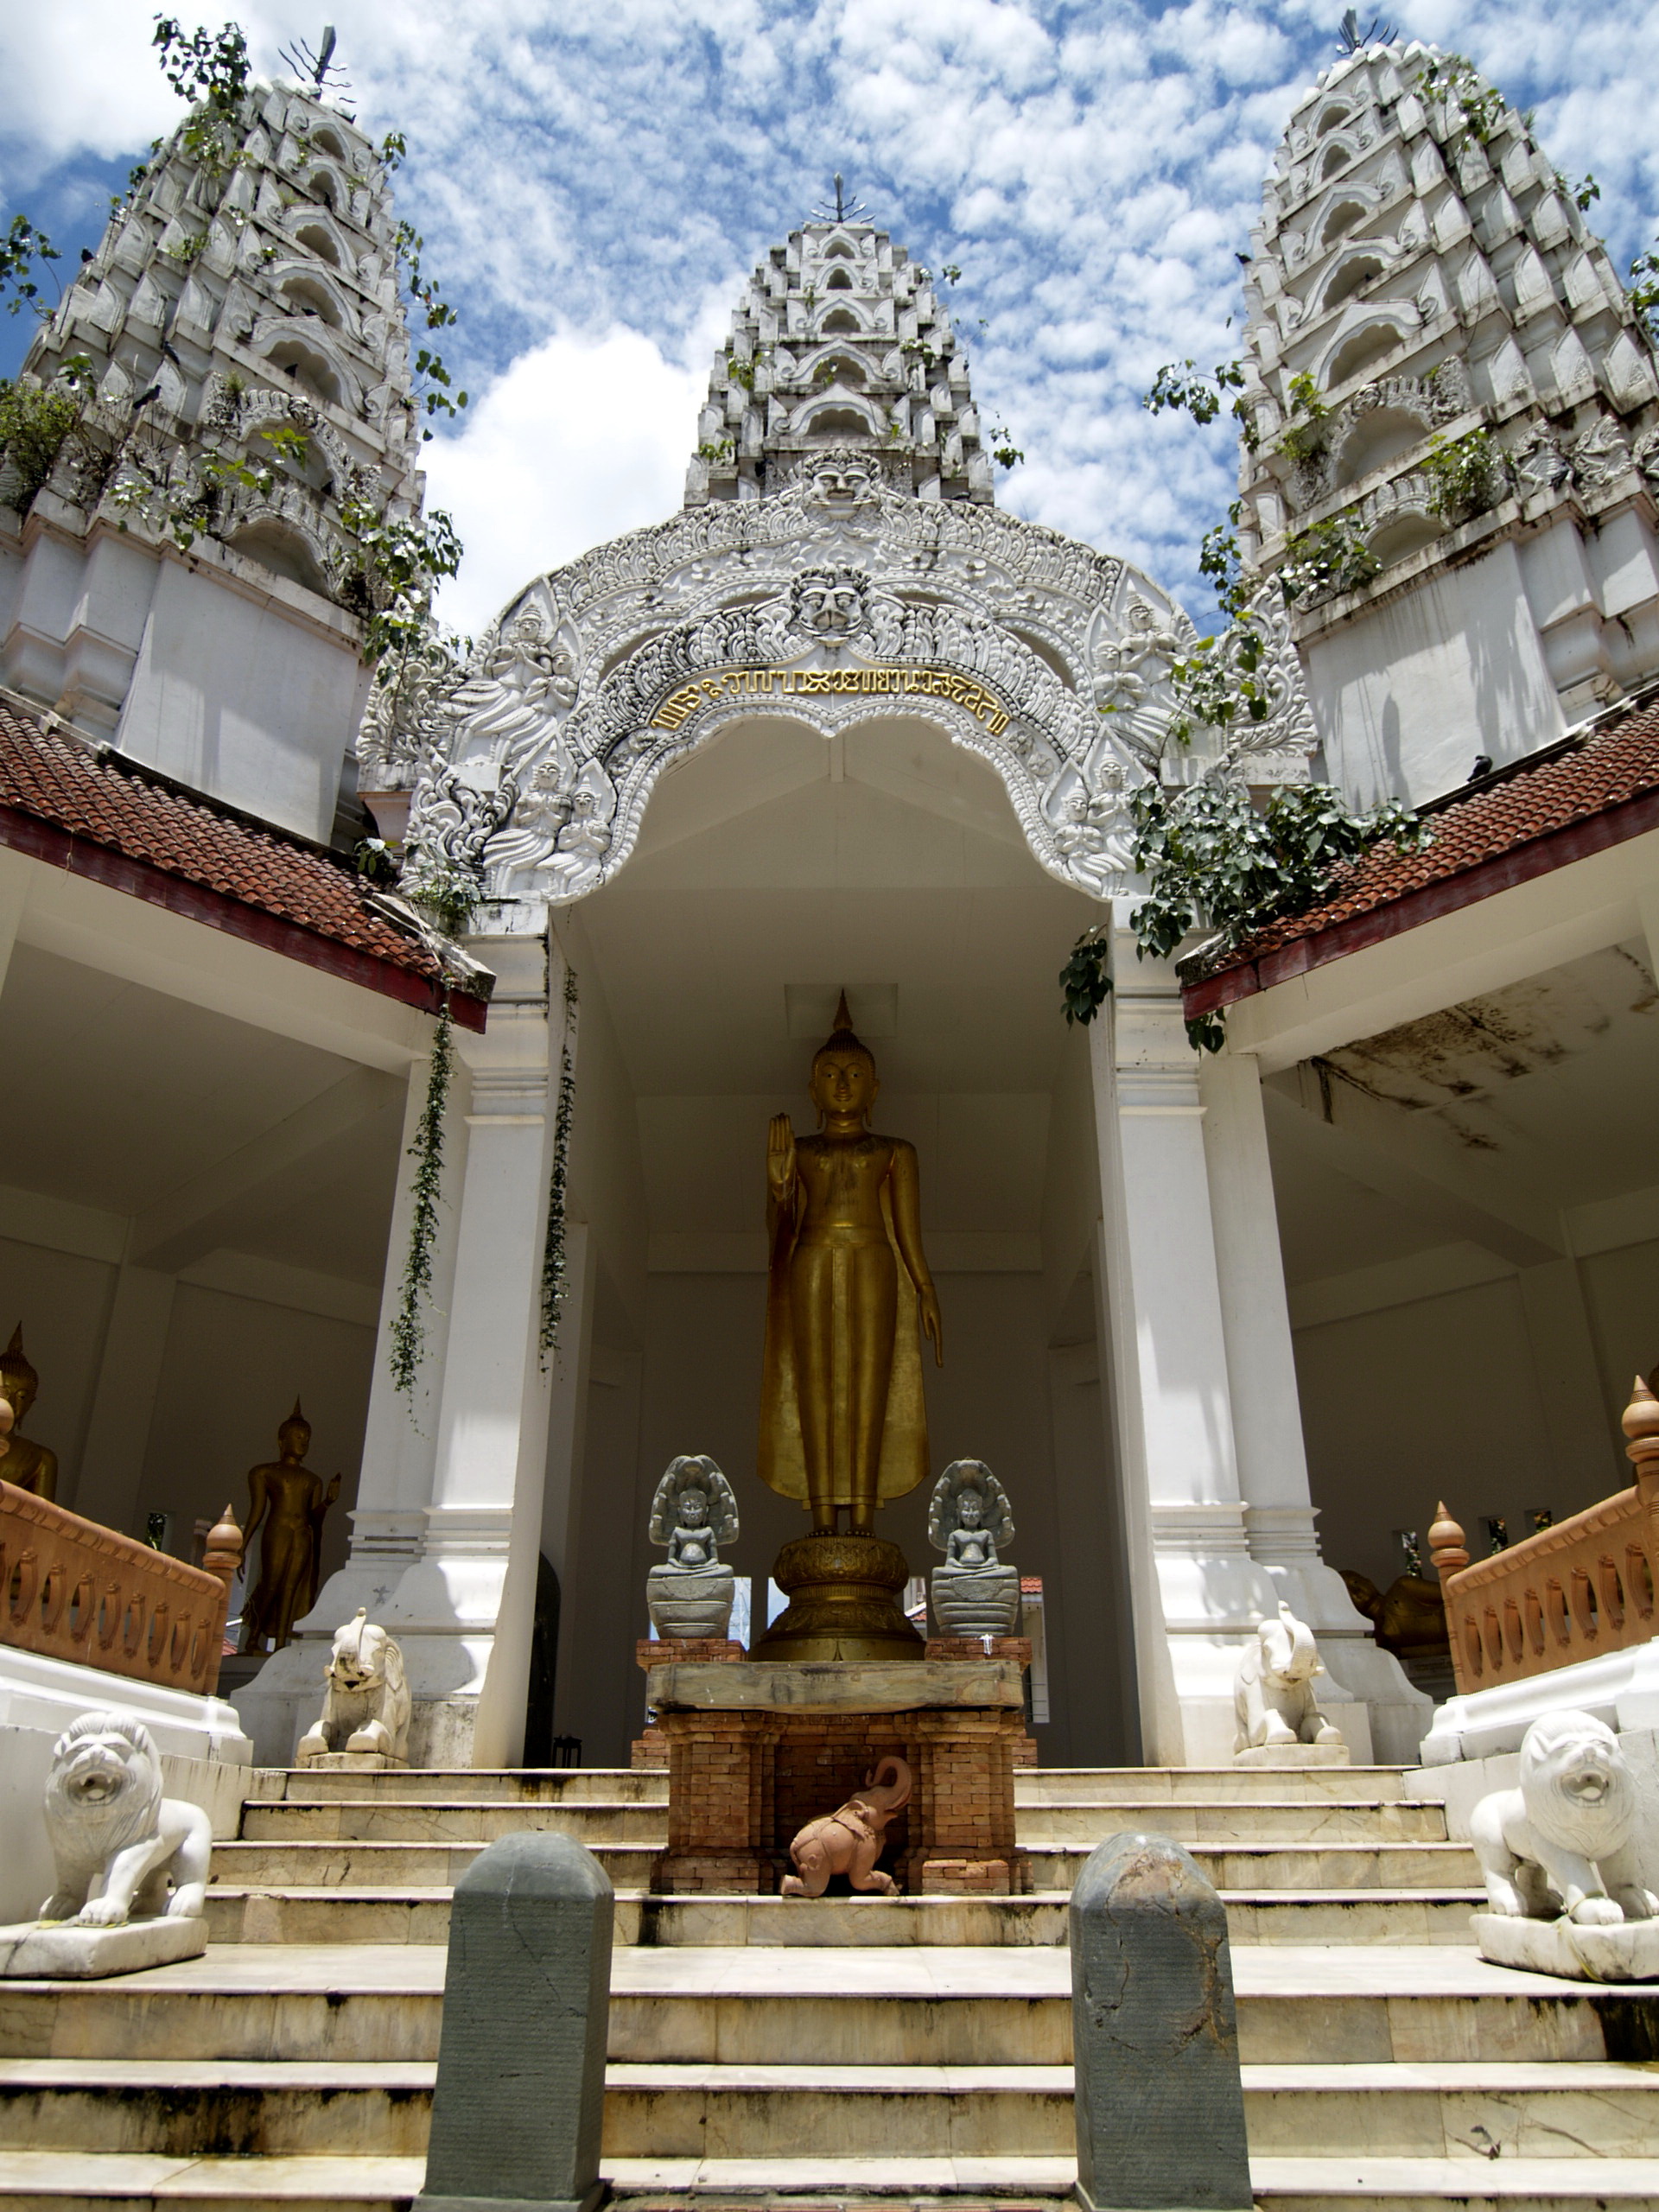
(1446, 1545)
(1640, 1422)
(222, 1554)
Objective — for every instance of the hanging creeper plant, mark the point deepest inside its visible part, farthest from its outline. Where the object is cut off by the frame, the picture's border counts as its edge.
(408, 1329)
(554, 1262)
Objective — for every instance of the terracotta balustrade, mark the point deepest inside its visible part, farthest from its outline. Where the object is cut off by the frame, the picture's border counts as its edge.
(72, 1589)
(1569, 1593)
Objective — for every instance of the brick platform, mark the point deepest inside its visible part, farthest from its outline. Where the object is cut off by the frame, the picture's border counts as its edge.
(650, 1748)
(744, 1780)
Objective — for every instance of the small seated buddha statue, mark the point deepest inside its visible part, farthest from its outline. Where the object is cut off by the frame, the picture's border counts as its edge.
(30, 1466)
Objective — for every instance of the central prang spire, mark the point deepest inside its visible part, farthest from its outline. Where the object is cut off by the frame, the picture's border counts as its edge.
(839, 347)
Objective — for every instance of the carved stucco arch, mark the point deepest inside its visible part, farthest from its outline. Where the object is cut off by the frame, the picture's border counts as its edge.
(832, 600)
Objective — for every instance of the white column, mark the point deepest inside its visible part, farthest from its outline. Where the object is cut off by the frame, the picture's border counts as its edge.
(123, 1399)
(1200, 1593)
(561, 1530)
(463, 1612)
(395, 1483)
(1279, 1511)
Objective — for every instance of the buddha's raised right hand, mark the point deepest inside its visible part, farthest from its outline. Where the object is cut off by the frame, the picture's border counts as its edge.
(780, 1157)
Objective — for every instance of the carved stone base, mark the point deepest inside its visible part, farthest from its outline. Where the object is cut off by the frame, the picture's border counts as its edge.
(1294, 1755)
(844, 1595)
(58, 1951)
(1625, 1952)
(352, 1763)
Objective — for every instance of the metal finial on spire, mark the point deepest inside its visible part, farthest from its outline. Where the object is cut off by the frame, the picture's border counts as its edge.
(324, 73)
(844, 211)
(1349, 37)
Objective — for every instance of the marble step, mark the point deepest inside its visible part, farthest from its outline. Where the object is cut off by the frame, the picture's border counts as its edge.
(1306, 1868)
(310, 1864)
(1367, 2004)
(474, 1785)
(375, 1818)
(1472, 2111)
(390, 1820)
(1263, 1821)
(341, 1913)
(58, 2181)
(1086, 1785)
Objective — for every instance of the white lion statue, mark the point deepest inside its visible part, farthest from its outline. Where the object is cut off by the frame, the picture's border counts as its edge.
(1561, 1843)
(1273, 1691)
(117, 1842)
(366, 1707)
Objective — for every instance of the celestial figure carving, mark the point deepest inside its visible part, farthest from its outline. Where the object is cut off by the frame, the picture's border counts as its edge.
(974, 1593)
(1273, 1700)
(118, 1843)
(291, 1553)
(849, 1840)
(365, 1703)
(693, 1513)
(843, 1424)
(1562, 1842)
(30, 1466)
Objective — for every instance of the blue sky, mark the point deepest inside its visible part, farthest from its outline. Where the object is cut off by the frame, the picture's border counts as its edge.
(596, 178)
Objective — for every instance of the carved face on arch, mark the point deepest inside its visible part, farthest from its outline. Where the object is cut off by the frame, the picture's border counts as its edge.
(841, 479)
(830, 602)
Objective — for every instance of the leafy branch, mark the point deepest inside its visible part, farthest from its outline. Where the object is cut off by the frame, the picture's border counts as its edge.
(211, 69)
(20, 248)
(37, 422)
(397, 561)
(1183, 387)
(1454, 78)
(432, 377)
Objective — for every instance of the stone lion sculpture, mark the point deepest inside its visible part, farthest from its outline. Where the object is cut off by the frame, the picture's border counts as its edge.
(365, 1705)
(1562, 1842)
(849, 1840)
(1273, 1700)
(117, 1842)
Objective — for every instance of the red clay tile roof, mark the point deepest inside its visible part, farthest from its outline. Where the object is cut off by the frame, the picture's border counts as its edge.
(1593, 790)
(100, 815)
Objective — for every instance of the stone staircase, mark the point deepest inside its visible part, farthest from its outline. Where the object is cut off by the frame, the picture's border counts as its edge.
(916, 2048)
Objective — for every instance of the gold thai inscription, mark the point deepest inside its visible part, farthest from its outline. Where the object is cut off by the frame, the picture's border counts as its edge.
(799, 682)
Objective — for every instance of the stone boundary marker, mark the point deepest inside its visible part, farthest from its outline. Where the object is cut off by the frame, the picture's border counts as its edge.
(520, 2096)
(1160, 2104)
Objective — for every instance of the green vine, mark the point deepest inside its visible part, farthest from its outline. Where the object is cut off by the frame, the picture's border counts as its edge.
(1455, 79)
(1466, 475)
(408, 1329)
(37, 422)
(1212, 857)
(1332, 556)
(555, 1263)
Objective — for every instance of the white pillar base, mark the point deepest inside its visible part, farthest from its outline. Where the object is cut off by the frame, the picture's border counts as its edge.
(450, 1615)
(1283, 1540)
(285, 1696)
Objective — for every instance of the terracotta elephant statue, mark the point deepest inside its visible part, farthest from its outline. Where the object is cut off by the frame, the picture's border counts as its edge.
(849, 1841)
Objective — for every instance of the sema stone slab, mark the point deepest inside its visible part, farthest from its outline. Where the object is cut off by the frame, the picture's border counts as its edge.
(836, 1686)
(1160, 2103)
(520, 2090)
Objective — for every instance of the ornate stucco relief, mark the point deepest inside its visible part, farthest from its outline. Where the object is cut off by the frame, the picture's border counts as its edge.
(1052, 663)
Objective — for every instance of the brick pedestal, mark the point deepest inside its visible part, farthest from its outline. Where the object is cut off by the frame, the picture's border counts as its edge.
(746, 1773)
(991, 1647)
(650, 1748)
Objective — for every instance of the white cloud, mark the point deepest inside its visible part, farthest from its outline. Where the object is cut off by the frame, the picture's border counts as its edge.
(581, 439)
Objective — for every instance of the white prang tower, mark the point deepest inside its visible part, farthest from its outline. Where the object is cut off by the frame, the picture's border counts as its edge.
(1456, 423)
(239, 291)
(840, 341)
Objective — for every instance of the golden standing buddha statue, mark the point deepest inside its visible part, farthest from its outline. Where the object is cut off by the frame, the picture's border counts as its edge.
(29, 1465)
(843, 1422)
(292, 1503)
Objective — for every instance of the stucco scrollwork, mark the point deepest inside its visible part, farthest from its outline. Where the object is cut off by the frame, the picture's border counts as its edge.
(834, 601)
